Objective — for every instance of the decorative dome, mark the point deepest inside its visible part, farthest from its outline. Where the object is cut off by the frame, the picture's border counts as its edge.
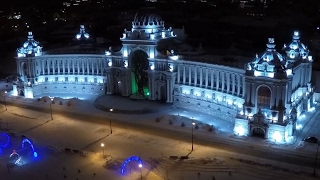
(147, 20)
(296, 49)
(147, 26)
(30, 47)
(270, 63)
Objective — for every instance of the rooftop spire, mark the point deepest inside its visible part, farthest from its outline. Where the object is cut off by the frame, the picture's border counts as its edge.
(271, 45)
(296, 35)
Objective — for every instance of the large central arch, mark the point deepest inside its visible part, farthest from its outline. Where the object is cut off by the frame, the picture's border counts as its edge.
(139, 64)
(263, 97)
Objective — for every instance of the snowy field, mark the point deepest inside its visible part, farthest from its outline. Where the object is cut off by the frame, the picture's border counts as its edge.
(87, 161)
(160, 139)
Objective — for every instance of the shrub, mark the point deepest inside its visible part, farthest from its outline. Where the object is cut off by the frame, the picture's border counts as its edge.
(196, 127)
(211, 128)
(60, 103)
(182, 124)
(170, 122)
(158, 119)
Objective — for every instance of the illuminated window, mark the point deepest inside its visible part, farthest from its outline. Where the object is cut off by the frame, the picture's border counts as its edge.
(264, 95)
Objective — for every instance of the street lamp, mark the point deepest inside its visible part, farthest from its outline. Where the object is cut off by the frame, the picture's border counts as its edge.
(140, 166)
(4, 98)
(192, 133)
(102, 146)
(51, 101)
(110, 120)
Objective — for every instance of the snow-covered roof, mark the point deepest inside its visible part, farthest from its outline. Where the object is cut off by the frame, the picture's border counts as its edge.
(270, 64)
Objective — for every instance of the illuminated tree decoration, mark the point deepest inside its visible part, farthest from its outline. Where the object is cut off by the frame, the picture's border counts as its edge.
(35, 154)
(4, 140)
(132, 158)
(140, 64)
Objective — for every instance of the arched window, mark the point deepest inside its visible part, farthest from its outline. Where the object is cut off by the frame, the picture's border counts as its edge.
(264, 95)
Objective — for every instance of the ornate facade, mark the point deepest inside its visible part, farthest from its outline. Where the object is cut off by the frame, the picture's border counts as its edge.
(263, 97)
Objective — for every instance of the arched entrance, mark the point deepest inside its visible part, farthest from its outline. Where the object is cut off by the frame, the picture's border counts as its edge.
(139, 64)
(264, 97)
(258, 132)
(163, 96)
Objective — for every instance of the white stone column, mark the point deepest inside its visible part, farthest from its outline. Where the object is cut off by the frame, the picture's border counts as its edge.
(49, 66)
(53, 66)
(63, 66)
(190, 75)
(233, 83)
(78, 66)
(253, 94)
(201, 82)
(195, 80)
(212, 77)
(223, 81)
(58, 63)
(217, 80)
(152, 84)
(207, 77)
(228, 81)
(184, 74)
(170, 84)
(73, 66)
(178, 74)
(92, 67)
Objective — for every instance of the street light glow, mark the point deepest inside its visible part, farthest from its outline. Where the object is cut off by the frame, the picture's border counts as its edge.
(193, 123)
(140, 165)
(102, 145)
(111, 110)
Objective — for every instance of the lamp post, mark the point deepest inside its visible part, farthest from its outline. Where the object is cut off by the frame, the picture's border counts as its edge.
(4, 98)
(192, 134)
(51, 101)
(140, 166)
(102, 147)
(110, 120)
(315, 161)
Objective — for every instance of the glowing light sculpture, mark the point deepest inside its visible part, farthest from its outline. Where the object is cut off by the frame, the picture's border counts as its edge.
(4, 140)
(132, 158)
(35, 154)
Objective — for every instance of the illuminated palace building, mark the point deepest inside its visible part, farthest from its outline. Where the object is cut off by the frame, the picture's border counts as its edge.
(263, 97)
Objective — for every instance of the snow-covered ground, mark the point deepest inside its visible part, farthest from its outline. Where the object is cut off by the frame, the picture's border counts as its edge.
(150, 136)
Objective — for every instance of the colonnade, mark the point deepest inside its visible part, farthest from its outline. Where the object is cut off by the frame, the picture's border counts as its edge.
(80, 66)
(211, 78)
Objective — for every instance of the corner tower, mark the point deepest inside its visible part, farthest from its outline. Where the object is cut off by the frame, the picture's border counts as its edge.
(26, 66)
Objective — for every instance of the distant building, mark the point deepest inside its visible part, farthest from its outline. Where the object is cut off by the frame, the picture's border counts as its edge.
(262, 97)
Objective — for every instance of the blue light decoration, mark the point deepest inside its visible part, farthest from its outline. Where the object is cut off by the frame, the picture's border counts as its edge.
(35, 154)
(0, 151)
(14, 158)
(4, 140)
(132, 158)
